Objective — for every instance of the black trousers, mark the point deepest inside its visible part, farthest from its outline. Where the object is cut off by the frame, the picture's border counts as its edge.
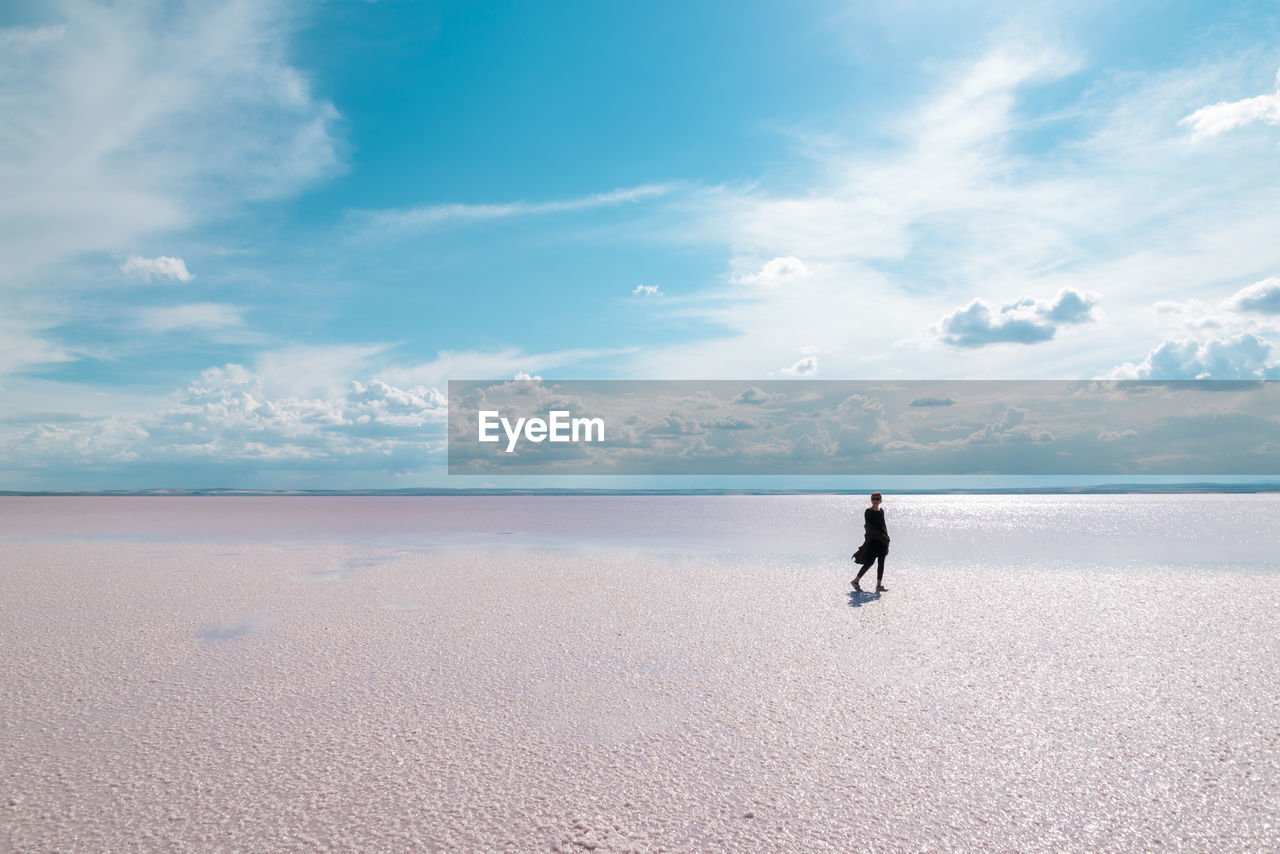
(879, 561)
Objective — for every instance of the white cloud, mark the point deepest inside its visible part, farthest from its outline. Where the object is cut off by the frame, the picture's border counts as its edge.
(1070, 306)
(122, 125)
(23, 344)
(173, 268)
(1243, 356)
(775, 273)
(1167, 306)
(947, 158)
(506, 362)
(316, 371)
(1023, 321)
(1009, 428)
(399, 221)
(1224, 116)
(892, 233)
(806, 367)
(30, 38)
(647, 291)
(1262, 297)
(1253, 309)
(197, 315)
(92, 443)
(753, 396)
(228, 416)
(127, 123)
(979, 188)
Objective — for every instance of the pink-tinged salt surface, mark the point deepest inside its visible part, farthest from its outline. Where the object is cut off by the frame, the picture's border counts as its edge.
(639, 674)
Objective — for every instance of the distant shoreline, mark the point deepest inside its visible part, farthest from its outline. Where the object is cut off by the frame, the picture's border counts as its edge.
(1100, 489)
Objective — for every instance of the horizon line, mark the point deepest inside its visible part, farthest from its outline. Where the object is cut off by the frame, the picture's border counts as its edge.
(1102, 488)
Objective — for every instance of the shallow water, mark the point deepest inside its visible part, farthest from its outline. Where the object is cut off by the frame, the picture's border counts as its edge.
(993, 531)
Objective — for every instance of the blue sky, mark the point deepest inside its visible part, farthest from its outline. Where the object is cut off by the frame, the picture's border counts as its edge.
(247, 244)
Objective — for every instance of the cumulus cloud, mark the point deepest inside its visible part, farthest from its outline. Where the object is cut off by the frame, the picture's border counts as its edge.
(231, 403)
(1023, 428)
(776, 273)
(861, 427)
(674, 425)
(1072, 307)
(1262, 297)
(1022, 321)
(647, 291)
(172, 268)
(735, 422)
(196, 315)
(806, 367)
(753, 396)
(228, 415)
(103, 441)
(976, 325)
(1243, 356)
(1223, 116)
(1009, 428)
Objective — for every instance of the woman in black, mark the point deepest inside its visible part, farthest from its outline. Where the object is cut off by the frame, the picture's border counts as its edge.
(875, 546)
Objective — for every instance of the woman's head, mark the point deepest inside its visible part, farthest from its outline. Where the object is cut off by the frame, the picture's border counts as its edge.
(875, 498)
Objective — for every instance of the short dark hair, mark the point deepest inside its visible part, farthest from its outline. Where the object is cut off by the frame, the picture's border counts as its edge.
(875, 496)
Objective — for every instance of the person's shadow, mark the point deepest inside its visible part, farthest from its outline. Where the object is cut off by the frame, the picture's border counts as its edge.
(857, 600)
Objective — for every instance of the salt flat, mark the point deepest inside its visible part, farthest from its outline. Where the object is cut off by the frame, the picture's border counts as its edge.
(647, 691)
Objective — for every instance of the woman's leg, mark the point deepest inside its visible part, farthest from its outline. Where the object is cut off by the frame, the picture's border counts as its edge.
(879, 570)
(864, 568)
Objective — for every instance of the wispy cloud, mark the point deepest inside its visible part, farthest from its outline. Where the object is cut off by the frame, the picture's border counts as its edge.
(501, 362)
(1254, 308)
(399, 221)
(126, 123)
(23, 344)
(974, 192)
(317, 371)
(29, 38)
(122, 124)
(851, 257)
(197, 315)
(171, 268)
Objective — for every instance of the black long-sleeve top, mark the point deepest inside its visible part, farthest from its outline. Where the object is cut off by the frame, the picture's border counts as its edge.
(875, 520)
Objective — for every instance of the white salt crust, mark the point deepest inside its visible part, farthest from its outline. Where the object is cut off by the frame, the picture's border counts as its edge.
(198, 696)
